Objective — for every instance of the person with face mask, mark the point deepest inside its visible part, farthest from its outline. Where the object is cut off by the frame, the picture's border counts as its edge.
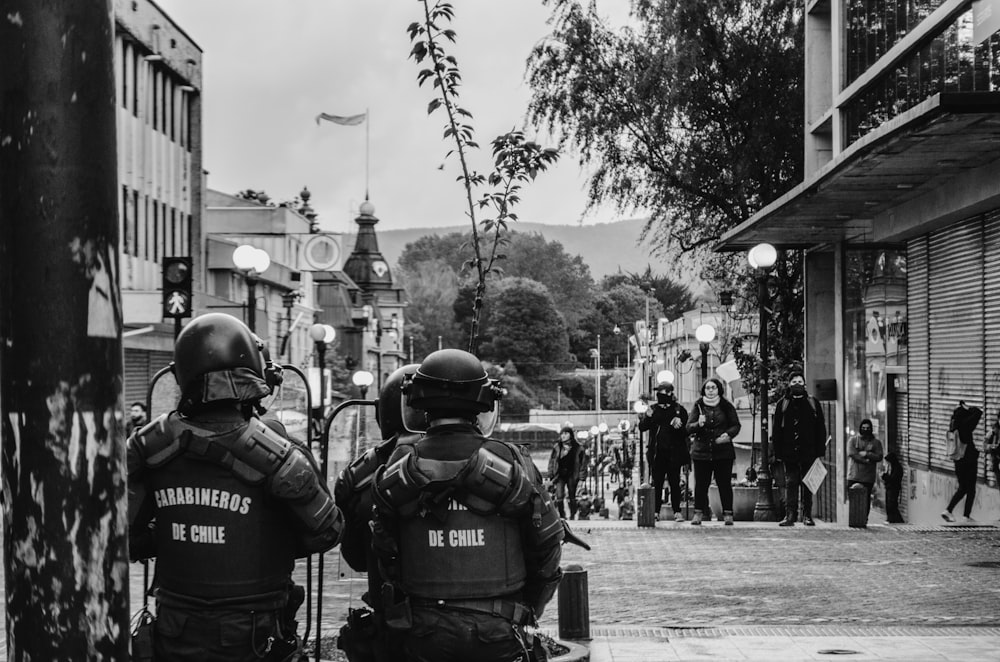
(713, 423)
(798, 438)
(865, 452)
(668, 452)
(965, 419)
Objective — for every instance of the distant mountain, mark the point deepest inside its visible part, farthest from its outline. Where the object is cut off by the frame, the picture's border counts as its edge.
(605, 247)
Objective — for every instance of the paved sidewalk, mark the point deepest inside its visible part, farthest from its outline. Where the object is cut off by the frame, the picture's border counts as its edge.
(966, 644)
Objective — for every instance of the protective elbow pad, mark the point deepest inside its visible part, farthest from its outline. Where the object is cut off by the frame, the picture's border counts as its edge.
(294, 479)
(547, 527)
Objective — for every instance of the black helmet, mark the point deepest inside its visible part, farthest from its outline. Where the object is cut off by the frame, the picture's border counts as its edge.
(212, 343)
(451, 380)
(388, 408)
(664, 387)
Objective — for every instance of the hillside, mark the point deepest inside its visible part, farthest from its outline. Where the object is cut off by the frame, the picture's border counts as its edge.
(605, 247)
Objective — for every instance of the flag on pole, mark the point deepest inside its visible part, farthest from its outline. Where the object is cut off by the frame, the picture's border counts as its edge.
(343, 120)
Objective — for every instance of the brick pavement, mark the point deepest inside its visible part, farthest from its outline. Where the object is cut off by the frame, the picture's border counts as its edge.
(679, 579)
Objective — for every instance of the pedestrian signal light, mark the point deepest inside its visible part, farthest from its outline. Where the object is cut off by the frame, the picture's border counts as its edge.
(177, 287)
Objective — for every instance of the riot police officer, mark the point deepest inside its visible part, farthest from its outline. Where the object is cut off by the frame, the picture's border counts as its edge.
(225, 504)
(467, 537)
(365, 637)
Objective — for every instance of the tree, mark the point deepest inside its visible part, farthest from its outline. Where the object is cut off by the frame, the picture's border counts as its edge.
(526, 329)
(516, 160)
(674, 298)
(694, 114)
(431, 287)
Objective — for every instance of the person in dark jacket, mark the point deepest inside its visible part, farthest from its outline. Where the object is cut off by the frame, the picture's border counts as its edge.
(713, 423)
(565, 463)
(798, 437)
(466, 536)
(225, 503)
(666, 423)
(964, 419)
(892, 478)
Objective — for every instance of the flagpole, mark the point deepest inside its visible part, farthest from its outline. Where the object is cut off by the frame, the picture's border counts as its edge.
(368, 122)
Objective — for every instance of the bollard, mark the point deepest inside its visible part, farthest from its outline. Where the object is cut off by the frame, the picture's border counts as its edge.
(646, 509)
(857, 506)
(574, 604)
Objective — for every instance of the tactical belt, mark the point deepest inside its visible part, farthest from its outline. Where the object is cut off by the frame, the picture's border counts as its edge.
(515, 612)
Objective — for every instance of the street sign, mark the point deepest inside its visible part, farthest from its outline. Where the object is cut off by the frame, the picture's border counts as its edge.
(177, 298)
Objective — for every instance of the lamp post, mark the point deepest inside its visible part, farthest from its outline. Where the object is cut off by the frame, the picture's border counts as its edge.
(705, 333)
(640, 407)
(252, 261)
(762, 257)
(363, 379)
(322, 335)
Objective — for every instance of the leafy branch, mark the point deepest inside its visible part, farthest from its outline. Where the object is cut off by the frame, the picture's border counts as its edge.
(516, 160)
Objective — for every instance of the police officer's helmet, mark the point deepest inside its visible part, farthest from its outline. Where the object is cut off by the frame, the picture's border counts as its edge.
(388, 408)
(212, 343)
(451, 380)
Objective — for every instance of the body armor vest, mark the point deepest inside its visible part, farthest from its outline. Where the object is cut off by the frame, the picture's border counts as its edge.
(459, 524)
(221, 505)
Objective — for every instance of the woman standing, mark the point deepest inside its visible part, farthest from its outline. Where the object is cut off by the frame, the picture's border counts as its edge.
(565, 463)
(713, 423)
(965, 419)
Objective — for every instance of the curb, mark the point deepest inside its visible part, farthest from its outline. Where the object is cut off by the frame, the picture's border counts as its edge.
(577, 652)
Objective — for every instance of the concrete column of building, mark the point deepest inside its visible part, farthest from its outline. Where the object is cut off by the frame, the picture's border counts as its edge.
(64, 475)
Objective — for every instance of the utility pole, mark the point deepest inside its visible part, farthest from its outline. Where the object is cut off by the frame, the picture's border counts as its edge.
(64, 473)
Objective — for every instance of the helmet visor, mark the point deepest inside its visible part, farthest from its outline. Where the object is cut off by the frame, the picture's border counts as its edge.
(415, 420)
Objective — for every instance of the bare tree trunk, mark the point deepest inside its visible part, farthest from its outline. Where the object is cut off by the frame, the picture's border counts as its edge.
(65, 545)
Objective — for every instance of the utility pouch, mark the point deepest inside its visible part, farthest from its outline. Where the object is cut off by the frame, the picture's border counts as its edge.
(397, 612)
(358, 637)
(141, 631)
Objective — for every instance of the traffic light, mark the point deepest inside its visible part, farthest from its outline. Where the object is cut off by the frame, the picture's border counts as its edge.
(177, 287)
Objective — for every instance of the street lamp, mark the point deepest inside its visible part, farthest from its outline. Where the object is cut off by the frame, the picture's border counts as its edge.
(363, 379)
(762, 257)
(705, 334)
(322, 335)
(640, 407)
(664, 377)
(252, 261)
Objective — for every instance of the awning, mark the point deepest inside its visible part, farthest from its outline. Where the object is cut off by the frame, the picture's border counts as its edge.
(903, 159)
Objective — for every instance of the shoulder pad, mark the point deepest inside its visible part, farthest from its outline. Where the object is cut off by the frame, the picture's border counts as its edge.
(258, 452)
(491, 485)
(160, 441)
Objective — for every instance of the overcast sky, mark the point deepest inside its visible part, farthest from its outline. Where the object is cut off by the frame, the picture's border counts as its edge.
(270, 66)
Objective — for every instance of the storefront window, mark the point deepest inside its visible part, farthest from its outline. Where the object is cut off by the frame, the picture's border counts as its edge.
(874, 336)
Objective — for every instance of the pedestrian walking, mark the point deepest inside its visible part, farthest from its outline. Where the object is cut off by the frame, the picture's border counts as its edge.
(565, 466)
(798, 438)
(892, 478)
(964, 420)
(865, 452)
(666, 422)
(713, 423)
(465, 532)
(225, 504)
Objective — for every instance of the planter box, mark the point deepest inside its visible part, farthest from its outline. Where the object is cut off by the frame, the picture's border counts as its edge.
(744, 500)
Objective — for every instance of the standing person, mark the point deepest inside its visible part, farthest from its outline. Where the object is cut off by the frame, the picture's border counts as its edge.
(225, 504)
(565, 464)
(466, 535)
(798, 438)
(964, 419)
(365, 637)
(714, 423)
(865, 452)
(893, 480)
(136, 418)
(992, 447)
(666, 423)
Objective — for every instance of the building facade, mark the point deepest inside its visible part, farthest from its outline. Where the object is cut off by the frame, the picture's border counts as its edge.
(158, 83)
(899, 220)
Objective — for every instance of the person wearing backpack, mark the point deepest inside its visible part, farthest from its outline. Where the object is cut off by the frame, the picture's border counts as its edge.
(798, 438)
(964, 420)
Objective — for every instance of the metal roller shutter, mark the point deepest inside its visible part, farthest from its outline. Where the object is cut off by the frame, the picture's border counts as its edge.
(991, 315)
(955, 339)
(136, 376)
(918, 357)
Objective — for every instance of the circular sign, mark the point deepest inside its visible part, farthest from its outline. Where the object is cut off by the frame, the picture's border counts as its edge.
(176, 272)
(322, 253)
